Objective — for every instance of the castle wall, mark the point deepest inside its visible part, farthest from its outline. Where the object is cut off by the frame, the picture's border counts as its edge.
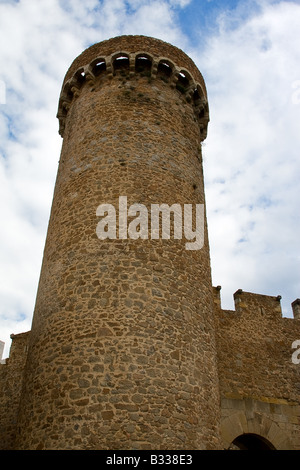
(11, 378)
(129, 347)
(259, 383)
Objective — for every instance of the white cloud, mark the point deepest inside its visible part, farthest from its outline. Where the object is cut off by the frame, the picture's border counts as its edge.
(252, 153)
(180, 3)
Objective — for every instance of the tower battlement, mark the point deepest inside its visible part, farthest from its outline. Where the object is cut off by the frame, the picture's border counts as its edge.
(260, 305)
(138, 62)
(296, 309)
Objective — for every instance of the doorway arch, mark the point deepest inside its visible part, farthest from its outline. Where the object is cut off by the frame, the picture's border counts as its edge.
(251, 441)
(260, 425)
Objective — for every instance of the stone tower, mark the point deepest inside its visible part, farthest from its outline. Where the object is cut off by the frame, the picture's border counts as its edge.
(122, 351)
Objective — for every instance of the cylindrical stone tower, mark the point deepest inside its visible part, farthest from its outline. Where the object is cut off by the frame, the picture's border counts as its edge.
(122, 352)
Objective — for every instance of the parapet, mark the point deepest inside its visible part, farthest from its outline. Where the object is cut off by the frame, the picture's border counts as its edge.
(2, 344)
(136, 44)
(133, 56)
(266, 306)
(18, 349)
(217, 296)
(296, 309)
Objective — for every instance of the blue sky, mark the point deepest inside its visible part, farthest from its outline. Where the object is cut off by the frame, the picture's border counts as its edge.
(249, 54)
(201, 16)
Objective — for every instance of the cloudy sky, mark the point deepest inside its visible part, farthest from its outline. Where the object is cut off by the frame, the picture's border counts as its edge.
(249, 54)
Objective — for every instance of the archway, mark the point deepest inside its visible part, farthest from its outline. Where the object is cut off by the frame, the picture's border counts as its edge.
(251, 441)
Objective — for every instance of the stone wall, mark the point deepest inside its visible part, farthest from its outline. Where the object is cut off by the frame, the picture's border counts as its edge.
(259, 384)
(122, 350)
(129, 347)
(274, 420)
(11, 378)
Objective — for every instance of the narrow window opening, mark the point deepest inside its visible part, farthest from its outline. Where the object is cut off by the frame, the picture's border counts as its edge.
(164, 70)
(80, 77)
(201, 114)
(182, 83)
(121, 63)
(182, 78)
(204, 111)
(143, 64)
(68, 94)
(99, 67)
(196, 97)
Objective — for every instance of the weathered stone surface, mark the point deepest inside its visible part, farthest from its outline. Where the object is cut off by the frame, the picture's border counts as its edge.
(116, 306)
(129, 347)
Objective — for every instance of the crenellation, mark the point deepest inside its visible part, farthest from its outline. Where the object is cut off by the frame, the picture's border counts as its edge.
(2, 345)
(258, 304)
(217, 296)
(296, 309)
(265, 306)
(134, 63)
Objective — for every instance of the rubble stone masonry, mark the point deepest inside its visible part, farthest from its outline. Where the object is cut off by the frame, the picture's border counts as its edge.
(129, 346)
